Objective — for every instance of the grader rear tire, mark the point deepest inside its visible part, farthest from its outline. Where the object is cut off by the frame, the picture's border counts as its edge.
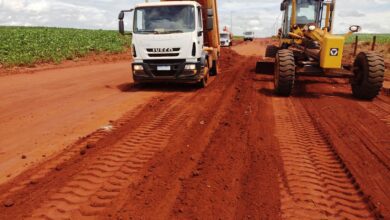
(284, 72)
(369, 71)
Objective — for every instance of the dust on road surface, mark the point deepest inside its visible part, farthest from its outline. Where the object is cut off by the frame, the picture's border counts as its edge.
(231, 151)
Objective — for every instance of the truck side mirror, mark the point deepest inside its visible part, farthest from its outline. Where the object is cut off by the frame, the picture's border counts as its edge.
(210, 19)
(121, 27)
(121, 16)
(332, 6)
(210, 23)
(283, 6)
(210, 12)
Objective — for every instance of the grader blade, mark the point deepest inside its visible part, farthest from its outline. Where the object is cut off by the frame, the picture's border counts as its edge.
(265, 66)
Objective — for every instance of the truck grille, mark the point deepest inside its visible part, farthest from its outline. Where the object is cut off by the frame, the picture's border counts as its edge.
(174, 64)
(163, 52)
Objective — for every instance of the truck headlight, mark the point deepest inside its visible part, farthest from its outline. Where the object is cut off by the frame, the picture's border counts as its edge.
(138, 67)
(190, 67)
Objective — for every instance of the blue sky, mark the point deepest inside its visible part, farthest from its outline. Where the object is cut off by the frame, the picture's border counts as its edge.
(258, 15)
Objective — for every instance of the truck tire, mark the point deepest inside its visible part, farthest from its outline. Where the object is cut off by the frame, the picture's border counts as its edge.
(215, 69)
(204, 81)
(284, 72)
(369, 71)
(271, 51)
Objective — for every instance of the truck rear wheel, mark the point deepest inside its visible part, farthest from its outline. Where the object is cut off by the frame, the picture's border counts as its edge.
(369, 70)
(215, 69)
(284, 72)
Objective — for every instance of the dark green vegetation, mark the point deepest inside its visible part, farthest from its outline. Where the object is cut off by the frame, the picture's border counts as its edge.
(25, 46)
(238, 37)
(381, 38)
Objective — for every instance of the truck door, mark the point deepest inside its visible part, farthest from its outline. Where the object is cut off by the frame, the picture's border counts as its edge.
(200, 28)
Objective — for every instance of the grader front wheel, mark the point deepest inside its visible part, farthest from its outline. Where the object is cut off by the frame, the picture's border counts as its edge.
(284, 72)
(369, 70)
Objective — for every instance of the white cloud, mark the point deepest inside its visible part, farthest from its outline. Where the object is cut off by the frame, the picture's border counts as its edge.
(38, 6)
(15, 5)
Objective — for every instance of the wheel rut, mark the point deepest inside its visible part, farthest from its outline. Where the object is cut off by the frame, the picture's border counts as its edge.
(378, 108)
(315, 183)
(89, 192)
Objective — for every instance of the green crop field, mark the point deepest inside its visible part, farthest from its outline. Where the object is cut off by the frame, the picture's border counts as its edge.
(25, 46)
(238, 37)
(381, 38)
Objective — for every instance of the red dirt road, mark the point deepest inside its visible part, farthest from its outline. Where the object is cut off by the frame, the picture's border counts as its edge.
(231, 151)
(44, 112)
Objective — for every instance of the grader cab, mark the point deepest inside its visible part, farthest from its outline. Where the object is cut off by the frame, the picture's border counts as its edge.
(308, 47)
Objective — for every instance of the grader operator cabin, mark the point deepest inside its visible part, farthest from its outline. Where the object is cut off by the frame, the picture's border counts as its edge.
(174, 41)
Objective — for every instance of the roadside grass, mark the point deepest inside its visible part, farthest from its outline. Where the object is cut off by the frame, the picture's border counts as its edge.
(238, 37)
(26, 46)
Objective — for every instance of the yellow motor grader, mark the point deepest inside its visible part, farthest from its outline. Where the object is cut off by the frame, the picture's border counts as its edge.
(308, 47)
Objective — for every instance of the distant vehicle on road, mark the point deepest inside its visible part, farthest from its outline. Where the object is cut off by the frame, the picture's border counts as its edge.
(226, 39)
(249, 35)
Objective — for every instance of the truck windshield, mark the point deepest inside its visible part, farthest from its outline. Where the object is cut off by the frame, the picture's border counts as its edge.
(225, 36)
(248, 33)
(164, 20)
(307, 11)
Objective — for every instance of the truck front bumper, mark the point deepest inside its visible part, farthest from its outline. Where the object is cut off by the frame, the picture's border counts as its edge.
(225, 44)
(167, 71)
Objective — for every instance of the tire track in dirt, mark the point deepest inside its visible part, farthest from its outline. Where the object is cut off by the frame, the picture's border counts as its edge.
(379, 108)
(359, 134)
(80, 180)
(91, 191)
(89, 141)
(315, 183)
(87, 183)
(223, 169)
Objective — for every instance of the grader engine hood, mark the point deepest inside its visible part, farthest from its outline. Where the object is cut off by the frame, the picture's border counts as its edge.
(332, 52)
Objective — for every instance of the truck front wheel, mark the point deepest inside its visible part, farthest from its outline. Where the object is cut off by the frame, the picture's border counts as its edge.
(206, 74)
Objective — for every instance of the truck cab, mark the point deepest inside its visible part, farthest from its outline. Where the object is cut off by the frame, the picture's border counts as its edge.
(249, 35)
(226, 39)
(168, 42)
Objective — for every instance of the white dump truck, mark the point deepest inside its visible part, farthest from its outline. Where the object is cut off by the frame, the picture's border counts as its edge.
(249, 35)
(175, 41)
(226, 39)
